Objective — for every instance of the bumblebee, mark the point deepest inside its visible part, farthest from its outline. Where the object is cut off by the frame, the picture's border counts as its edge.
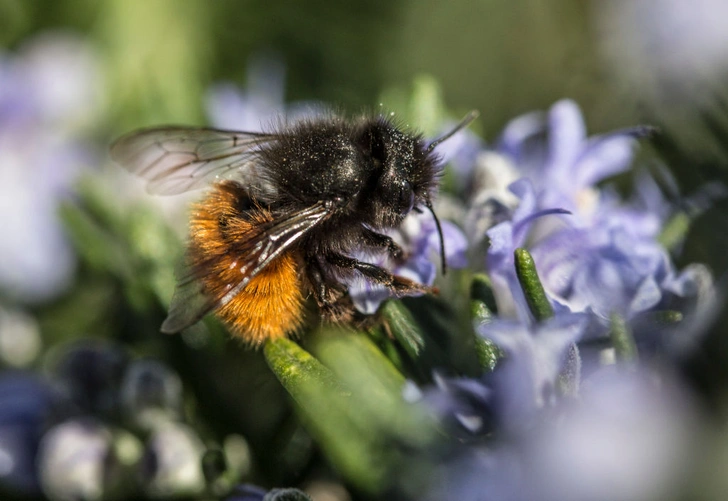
(284, 212)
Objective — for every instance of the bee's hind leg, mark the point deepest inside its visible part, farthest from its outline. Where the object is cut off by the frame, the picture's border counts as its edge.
(330, 296)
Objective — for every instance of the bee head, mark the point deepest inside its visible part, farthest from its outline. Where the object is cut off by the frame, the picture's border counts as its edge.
(406, 171)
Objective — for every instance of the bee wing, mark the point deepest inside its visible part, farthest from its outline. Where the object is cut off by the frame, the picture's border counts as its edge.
(190, 304)
(177, 159)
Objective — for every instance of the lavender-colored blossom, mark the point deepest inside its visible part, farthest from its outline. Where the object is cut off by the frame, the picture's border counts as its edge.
(613, 268)
(522, 385)
(555, 154)
(603, 258)
(603, 269)
(47, 91)
(420, 241)
(504, 239)
(464, 406)
(626, 438)
(526, 381)
(566, 165)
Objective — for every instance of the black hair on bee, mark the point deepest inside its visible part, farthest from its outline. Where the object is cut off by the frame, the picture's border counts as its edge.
(285, 211)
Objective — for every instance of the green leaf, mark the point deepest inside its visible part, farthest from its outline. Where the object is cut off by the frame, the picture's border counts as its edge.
(326, 408)
(535, 294)
(674, 231)
(298, 371)
(488, 353)
(376, 385)
(402, 326)
(482, 300)
(622, 339)
(664, 318)
(482, 308)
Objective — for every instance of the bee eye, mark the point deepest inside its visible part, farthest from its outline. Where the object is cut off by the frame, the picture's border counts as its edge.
(406, 198)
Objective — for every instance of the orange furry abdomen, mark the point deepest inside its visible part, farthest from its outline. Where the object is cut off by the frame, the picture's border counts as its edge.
(271, 305)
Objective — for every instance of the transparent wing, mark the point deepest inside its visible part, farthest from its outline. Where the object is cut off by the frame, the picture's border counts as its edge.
(190, 303)
(178, 159)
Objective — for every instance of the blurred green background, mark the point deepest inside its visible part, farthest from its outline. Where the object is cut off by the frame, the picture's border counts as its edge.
(503, 58)
(625, 63)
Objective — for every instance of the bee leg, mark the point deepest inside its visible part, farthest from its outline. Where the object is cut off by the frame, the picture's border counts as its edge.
(318, 285)
(379, 240)
(399, 285)
(330, 297)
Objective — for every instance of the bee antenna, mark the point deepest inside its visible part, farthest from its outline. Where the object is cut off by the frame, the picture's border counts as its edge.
(428, 204)
(463, 123)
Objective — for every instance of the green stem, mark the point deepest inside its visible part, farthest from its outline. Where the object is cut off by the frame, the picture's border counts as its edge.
(403, 327)
(622, 339)
(535, 294)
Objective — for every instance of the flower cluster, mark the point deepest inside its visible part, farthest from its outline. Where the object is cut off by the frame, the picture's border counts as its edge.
(582, 287)
(557, 418)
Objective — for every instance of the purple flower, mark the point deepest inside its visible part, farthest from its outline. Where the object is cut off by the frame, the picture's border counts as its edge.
(626, 438)
(567, 165)
(603, 269)
(604, 257)
(504, 239)
(523, 384)
(464, 406)
(47, 92)
(526, 380)
(624, 426)
(421, 243)
(562, 163)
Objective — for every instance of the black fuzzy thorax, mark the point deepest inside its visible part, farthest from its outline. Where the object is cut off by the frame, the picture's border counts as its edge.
(372, 171)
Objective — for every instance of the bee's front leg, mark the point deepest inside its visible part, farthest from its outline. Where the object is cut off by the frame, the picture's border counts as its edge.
(400, 285)
(375, 239)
